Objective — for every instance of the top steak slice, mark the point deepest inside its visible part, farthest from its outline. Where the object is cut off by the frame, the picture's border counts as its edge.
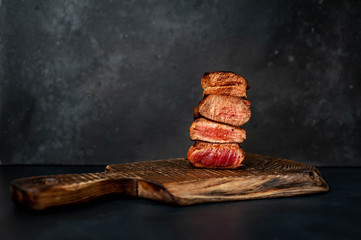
(216, 79)
(225, 109)
(209, 131)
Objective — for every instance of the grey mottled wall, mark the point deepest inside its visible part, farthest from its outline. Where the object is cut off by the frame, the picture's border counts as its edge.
(116, 81)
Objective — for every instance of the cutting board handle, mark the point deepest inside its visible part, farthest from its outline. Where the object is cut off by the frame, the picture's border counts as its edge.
(43, 192)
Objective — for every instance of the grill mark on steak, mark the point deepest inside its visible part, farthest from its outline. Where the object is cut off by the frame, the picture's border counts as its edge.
(206, 130)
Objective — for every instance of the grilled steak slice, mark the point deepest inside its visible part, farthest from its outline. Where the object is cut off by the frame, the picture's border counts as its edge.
(225, 109)
(209, 131)
(216, 79)
(237, 91)
(215, 155)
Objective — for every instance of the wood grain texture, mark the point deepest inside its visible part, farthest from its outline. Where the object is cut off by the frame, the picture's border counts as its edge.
(173, 181)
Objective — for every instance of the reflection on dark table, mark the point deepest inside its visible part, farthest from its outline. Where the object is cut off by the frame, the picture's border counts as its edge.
(332, 215)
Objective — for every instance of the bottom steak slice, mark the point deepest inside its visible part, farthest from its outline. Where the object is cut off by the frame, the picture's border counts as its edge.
(216, 155)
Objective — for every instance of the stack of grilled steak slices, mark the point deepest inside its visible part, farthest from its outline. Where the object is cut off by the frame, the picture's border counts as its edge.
(218, 117)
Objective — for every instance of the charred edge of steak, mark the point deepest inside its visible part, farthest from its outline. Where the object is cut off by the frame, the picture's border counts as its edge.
(196, 113)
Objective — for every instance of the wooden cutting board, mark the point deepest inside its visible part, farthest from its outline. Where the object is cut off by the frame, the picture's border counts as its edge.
(173, 181)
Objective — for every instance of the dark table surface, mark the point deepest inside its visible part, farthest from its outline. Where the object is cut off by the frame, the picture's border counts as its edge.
(332, 215)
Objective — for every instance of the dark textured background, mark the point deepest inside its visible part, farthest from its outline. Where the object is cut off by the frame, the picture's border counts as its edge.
(85, 82)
